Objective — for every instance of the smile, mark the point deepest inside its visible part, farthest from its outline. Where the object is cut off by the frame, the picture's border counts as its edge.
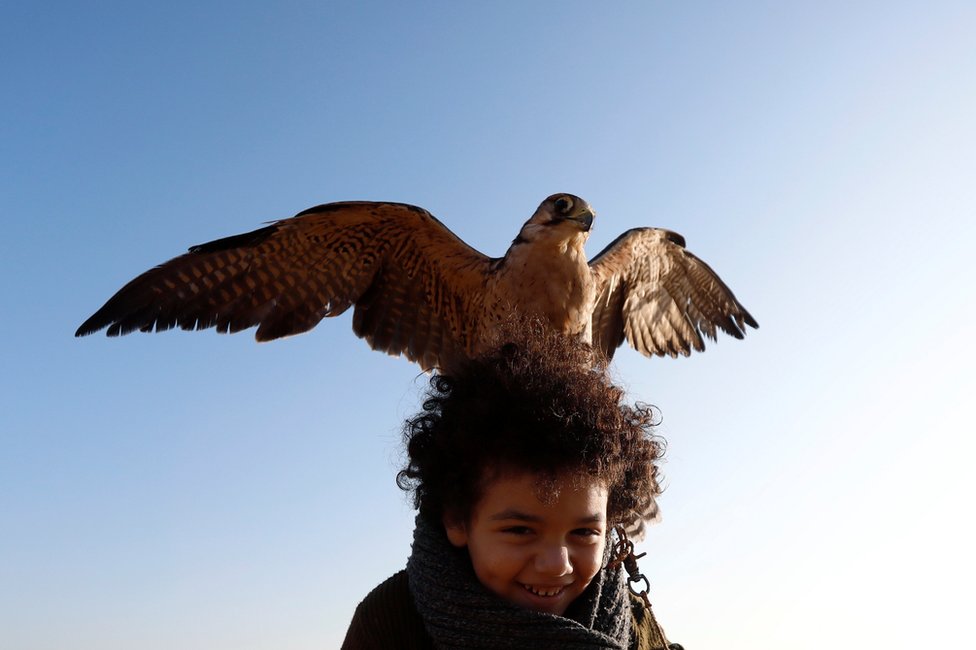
(544, 592)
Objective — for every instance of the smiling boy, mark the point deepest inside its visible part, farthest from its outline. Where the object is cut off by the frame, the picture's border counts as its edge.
(539, 554)
(520, 465)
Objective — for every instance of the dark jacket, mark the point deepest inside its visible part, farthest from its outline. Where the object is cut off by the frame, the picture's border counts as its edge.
(388, 620)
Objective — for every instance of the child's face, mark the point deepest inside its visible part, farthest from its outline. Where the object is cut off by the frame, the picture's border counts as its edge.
(540, 555)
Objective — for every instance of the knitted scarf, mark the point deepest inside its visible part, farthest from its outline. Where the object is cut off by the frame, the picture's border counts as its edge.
(459, 612)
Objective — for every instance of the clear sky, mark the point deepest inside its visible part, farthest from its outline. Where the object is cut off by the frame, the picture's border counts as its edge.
(198, 491)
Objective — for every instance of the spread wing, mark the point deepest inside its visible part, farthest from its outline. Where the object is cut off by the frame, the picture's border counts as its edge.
(660, 297)
(415, 285)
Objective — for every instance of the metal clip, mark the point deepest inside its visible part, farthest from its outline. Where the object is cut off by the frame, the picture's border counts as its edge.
(623, 553)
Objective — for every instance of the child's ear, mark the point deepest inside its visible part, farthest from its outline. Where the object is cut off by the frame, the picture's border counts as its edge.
(457, 532)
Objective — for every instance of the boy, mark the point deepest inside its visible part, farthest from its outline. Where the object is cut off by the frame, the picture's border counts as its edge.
(521, 464)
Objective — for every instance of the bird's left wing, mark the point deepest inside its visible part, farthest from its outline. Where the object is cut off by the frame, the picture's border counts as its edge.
(661, 298)
(414, 283)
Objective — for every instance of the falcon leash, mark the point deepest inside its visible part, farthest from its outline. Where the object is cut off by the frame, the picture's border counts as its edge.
(622, 553)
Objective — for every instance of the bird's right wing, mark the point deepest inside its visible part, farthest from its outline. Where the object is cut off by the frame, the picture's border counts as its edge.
(416, 286)
(658, 295)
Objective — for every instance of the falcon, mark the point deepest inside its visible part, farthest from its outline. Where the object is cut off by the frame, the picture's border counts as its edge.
(419, 291)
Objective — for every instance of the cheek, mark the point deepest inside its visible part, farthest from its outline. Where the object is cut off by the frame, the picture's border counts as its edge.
(493, 562)
(590, 561)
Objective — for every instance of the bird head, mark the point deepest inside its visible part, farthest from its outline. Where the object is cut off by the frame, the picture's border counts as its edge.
(565, 208)
(562, 216)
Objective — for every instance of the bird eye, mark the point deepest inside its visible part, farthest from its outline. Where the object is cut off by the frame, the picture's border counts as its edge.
(564, 204)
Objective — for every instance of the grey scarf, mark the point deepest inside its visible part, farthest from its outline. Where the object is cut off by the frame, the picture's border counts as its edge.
(459, 612)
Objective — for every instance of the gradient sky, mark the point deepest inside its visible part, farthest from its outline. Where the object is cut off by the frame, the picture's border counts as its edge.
(204, 492)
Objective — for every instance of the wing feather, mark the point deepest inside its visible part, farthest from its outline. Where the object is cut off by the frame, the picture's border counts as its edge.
(658, 296)
(413, 282)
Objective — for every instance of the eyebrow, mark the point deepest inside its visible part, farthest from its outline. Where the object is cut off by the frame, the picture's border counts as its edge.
(518, 515)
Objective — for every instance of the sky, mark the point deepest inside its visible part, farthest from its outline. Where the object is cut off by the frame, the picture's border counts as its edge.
(203, 491)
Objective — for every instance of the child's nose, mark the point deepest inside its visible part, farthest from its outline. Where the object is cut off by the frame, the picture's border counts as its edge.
(553, 560)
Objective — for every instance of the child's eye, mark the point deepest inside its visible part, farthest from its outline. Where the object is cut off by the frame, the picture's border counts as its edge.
(517, 530)
(587, 532)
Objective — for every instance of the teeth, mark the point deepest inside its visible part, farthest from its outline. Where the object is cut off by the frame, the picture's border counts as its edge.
(547, 592)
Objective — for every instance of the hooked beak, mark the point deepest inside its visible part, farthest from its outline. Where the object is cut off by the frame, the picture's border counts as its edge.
(584, 218)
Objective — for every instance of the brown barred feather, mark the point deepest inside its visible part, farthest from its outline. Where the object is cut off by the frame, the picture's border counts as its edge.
(286, 277)
(660, 297)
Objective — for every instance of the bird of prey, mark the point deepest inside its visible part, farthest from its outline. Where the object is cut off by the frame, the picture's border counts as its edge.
(419, 291)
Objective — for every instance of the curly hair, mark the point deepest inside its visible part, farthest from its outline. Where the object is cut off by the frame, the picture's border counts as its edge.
(542, 404)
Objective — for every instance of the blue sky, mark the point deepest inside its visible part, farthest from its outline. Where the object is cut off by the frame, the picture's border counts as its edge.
(200, 491)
